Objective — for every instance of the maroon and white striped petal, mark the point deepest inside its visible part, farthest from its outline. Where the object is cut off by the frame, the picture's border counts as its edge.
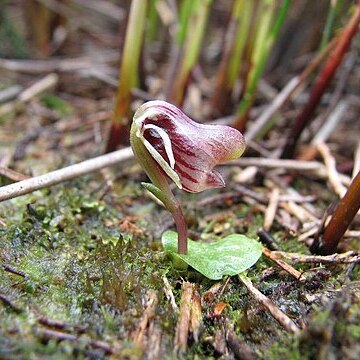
(189, 149)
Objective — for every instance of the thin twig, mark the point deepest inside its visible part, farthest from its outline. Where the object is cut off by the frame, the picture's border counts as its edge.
(314, 167)
(270, 163)
(9, 93)
(291, 191)
(333, 175)
(275, 312)
(330, 124)
(322, 82)
(344, 258)
(6, 301)
(308, 234)
(298, 211)
(286, 94)
(62, 336)
(12, 175)
(61, 175)
(58, 65)
(288, 268)
(271, 209)
(40, 86)
(58, 324)
(13, 271)
(333, 114)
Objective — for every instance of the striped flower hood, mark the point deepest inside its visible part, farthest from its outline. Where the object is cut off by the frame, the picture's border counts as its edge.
(185, 150)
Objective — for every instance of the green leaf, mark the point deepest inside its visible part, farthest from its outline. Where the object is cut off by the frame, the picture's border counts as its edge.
(229, 256)
(155, 191)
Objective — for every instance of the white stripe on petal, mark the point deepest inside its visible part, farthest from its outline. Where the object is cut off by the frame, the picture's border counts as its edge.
(166, 140)
(161, 161)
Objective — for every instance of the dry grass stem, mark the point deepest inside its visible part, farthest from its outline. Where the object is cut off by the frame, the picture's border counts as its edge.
(59, 65)
(275, 312)
(40, 86)
(313, 167)
(288, 268)
(298, 211)
(12, 175)
(332, 173)
(271, 209)
(308, 234)
(58, 176)
(330, 123)
(10, 93)
(344, 258)
(285, 94)
(47, 334)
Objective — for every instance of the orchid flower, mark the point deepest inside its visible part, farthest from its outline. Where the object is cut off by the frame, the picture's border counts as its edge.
(169, 145)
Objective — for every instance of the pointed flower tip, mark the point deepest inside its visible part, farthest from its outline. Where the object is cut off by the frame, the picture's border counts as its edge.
(186, 151)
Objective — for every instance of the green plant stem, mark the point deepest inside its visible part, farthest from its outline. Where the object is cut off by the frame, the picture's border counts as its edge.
(243, 12)
(345, 212)
(119, 133)
(335, 5)
(322, 82)
(235, 41)
(153, 22)
(187, 8)
(191, 48)
(266, 35)
(177, 47)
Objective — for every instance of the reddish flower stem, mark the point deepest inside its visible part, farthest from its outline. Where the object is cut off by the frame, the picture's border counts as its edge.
(322, 83)
(119, 134)
(345, 212)
(181, 228)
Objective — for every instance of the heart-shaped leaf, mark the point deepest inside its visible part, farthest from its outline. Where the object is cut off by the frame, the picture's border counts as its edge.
(229, 256)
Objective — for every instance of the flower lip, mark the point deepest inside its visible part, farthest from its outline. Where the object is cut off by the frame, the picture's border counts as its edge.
(185, 150)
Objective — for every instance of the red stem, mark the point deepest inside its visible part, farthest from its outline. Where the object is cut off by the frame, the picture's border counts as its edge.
(322, 83)
(119, 135)
(182, 230)
(345, 212)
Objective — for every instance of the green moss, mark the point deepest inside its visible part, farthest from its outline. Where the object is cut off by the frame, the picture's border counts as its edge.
(86, 270)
